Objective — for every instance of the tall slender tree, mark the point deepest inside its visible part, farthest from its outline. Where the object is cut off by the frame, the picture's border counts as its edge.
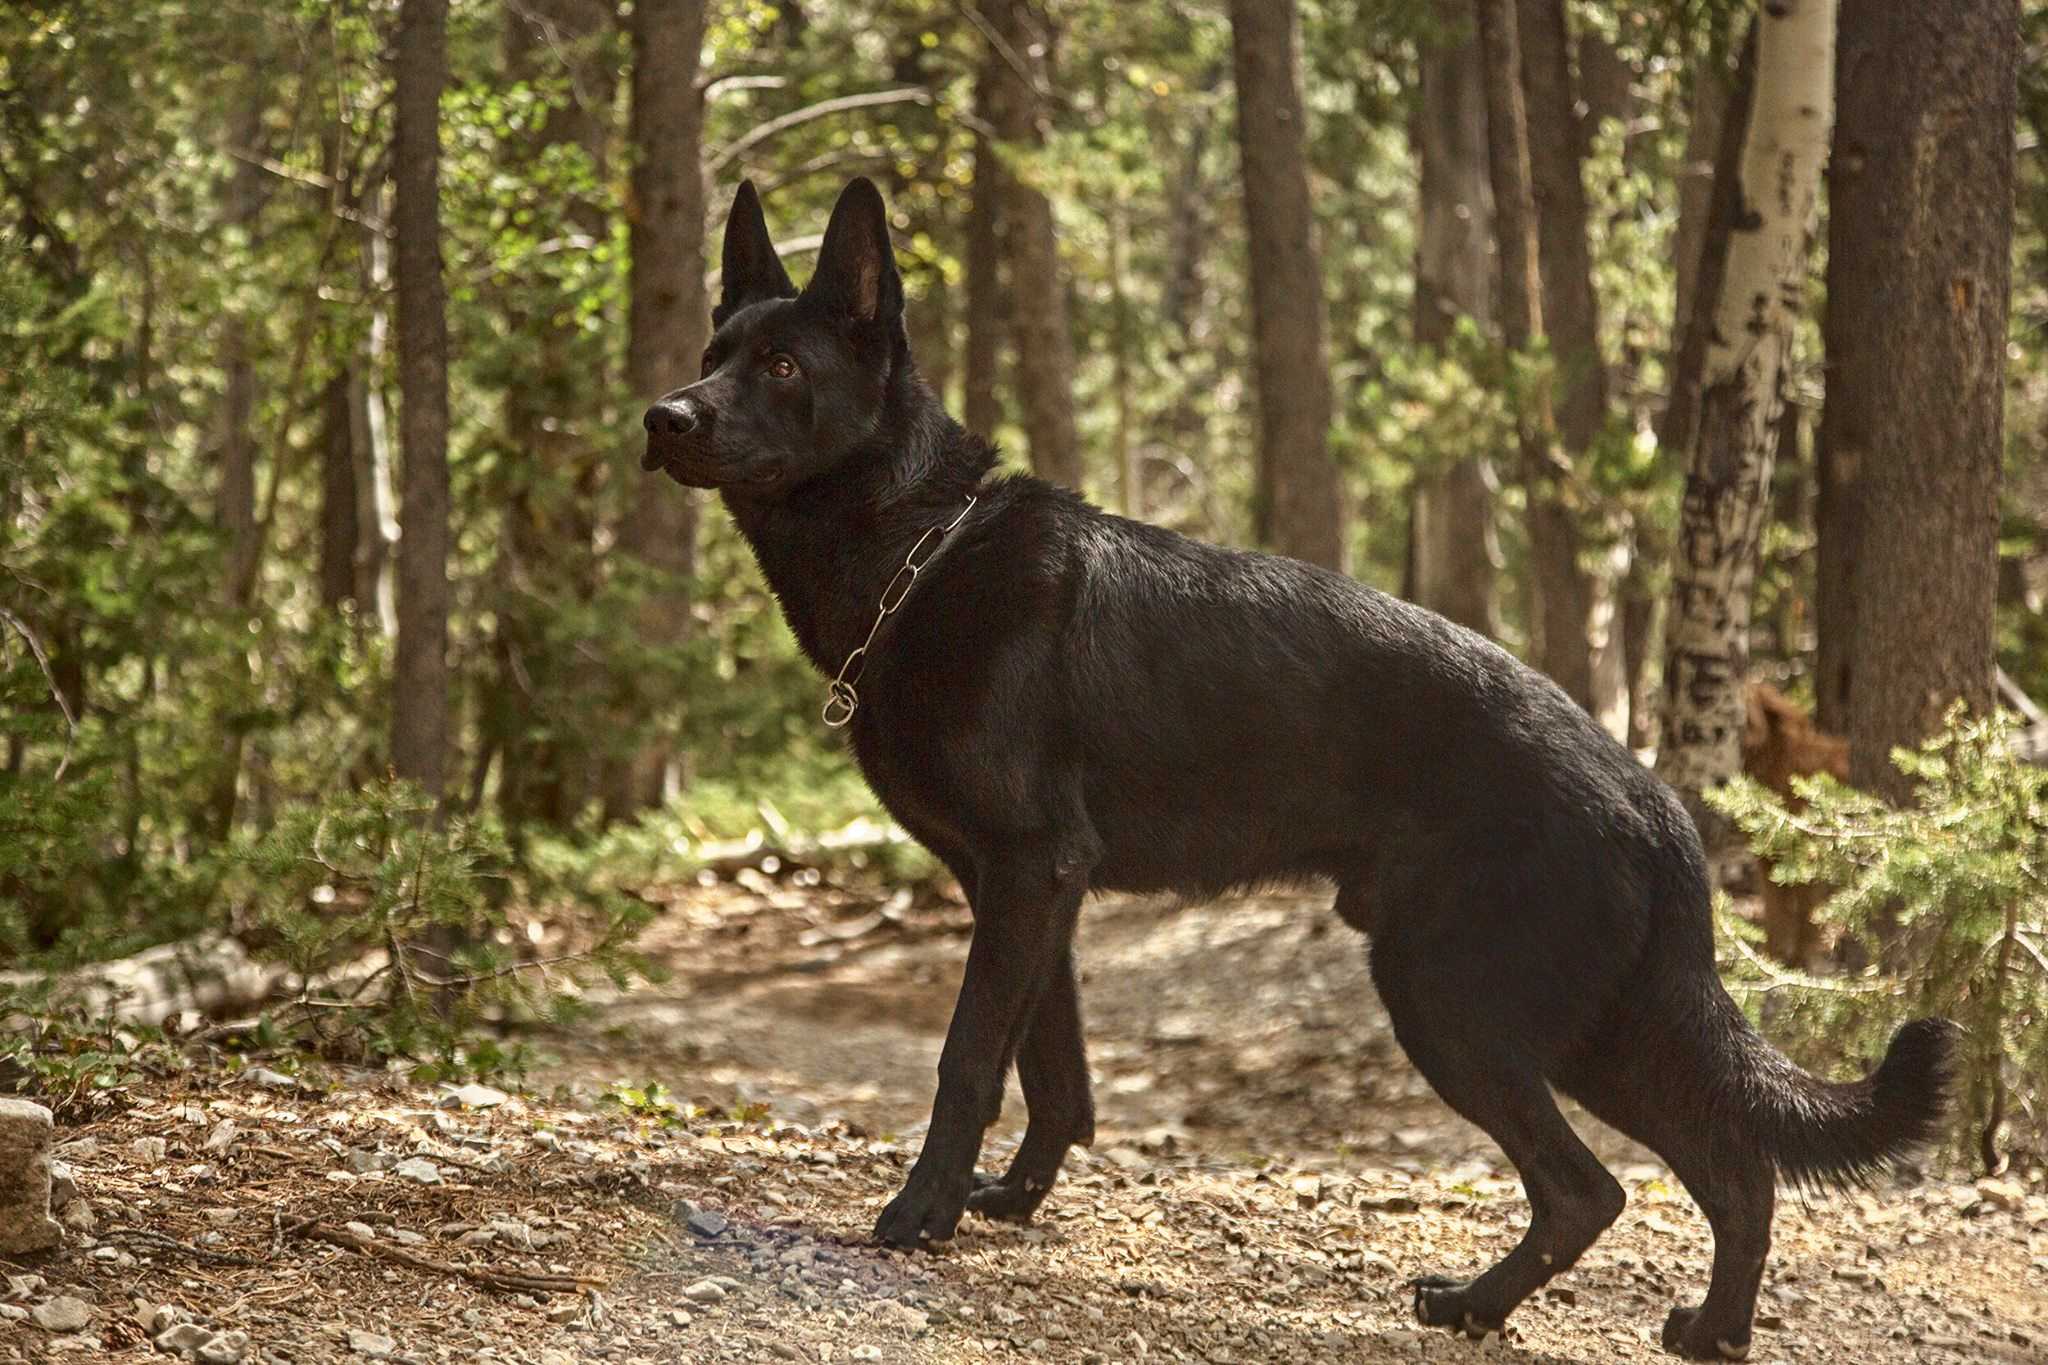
(980, 408)
(1042, 350)
(1571, 327)
(1453, 559)
(1750, 296)
(667, 322)
(1562, 649)
(1919, 279)
(554, 454)
(419, 711)
(234, 508)
(1300, 494)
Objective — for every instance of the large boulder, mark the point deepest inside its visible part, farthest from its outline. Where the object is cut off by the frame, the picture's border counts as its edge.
(25, 1222)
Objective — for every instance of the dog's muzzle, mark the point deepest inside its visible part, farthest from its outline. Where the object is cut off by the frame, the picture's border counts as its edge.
(669, 421)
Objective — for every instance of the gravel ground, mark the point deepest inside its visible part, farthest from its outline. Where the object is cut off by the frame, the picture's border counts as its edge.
(1268, 1175)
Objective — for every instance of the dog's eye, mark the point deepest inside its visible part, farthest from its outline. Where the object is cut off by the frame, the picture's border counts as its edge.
(782, 367)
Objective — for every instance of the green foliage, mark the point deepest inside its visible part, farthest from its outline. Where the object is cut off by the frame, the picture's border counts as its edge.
(648, 1100)
(1955, 889)
(73, 1062)
(411, 926)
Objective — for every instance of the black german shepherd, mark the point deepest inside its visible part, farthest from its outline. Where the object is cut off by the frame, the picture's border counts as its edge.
(1057, 701)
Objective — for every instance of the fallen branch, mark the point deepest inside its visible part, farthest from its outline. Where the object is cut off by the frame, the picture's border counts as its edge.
(158, 1240)
(507, 1281)
(210, 975)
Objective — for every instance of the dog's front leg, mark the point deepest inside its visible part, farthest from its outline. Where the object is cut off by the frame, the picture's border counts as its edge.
(1052, 1063)
(1024, 913)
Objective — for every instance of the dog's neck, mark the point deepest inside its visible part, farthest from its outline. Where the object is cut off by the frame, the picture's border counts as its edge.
(830, 547)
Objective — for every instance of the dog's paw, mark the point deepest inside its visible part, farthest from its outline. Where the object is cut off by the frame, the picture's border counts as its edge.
(919, 1216)
(1444, 1302)
(1685, 1335)
(1011, 1198)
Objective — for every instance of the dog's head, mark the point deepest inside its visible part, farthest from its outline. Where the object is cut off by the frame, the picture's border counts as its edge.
(792, 381)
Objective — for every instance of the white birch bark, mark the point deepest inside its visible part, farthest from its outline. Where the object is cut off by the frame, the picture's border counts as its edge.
(1742, 394)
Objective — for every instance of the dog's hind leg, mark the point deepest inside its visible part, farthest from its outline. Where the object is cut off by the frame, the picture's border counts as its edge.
(1738, 1194)
(1052, 1066)
(1486, 1073)
(1732, 1181)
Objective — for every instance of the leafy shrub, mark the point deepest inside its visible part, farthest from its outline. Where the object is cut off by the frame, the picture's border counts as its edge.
(413, 927)
(1955, 886)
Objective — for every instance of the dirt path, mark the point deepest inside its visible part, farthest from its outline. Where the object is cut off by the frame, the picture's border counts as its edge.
(1268, 1174)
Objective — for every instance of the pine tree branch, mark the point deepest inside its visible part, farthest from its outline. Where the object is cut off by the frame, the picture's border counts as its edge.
(760, 133)
(35, 647)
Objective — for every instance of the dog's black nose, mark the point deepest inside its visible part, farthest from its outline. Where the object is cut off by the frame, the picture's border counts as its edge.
(674, 417)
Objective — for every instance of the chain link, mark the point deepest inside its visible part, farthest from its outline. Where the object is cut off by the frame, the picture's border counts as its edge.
(841, 698)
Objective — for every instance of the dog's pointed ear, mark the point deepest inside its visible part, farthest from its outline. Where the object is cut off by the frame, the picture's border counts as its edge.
(856, 266)
(749, 271)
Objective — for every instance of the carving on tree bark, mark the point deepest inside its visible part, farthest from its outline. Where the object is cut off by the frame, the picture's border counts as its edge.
(1766, 214)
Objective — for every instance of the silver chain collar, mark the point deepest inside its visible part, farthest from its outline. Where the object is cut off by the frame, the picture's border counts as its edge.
(841, 700)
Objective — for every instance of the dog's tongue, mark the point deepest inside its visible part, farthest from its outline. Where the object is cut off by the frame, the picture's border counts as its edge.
(652, 460)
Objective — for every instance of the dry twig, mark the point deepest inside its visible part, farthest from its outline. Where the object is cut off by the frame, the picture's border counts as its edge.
(507, 1281)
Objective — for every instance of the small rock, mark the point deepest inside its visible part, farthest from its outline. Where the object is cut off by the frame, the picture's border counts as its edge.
(707, 1224)
(25, 1223)
(62, 1314)
(263, 1075)
(2008, 1195)
(222, 1137)
(476, 1097)
(183, 1336)
(419, 1170)
(866, 1353)
(147, 1151)
(226, 1349)
(13, 1313)
(704, 1291)
(22, 1286)
(566, 1311)
(78, 1216)
(364, 1163)
(163, 1318)
(372, 1344)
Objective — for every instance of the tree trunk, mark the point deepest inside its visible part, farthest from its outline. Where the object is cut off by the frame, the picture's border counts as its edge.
(667, 326)
(1765, 214)
(1043, 346)
(1300, 504)
(1712, 88)
(979, 406)
(551, 762)
(1584, 619)
(1130, 478)
(235, 494)
(419, 713)
(1558, 587)
(337, 490)
(1919, 273)
(1453, 557)
(376, 499)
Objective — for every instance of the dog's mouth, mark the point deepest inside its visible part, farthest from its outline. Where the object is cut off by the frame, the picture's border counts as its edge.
(691, 470)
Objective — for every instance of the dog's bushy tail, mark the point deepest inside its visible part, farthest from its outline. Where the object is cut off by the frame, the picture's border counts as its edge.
(1832, 1134)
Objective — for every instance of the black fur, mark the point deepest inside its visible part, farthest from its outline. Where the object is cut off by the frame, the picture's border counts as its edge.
(1069, 702)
